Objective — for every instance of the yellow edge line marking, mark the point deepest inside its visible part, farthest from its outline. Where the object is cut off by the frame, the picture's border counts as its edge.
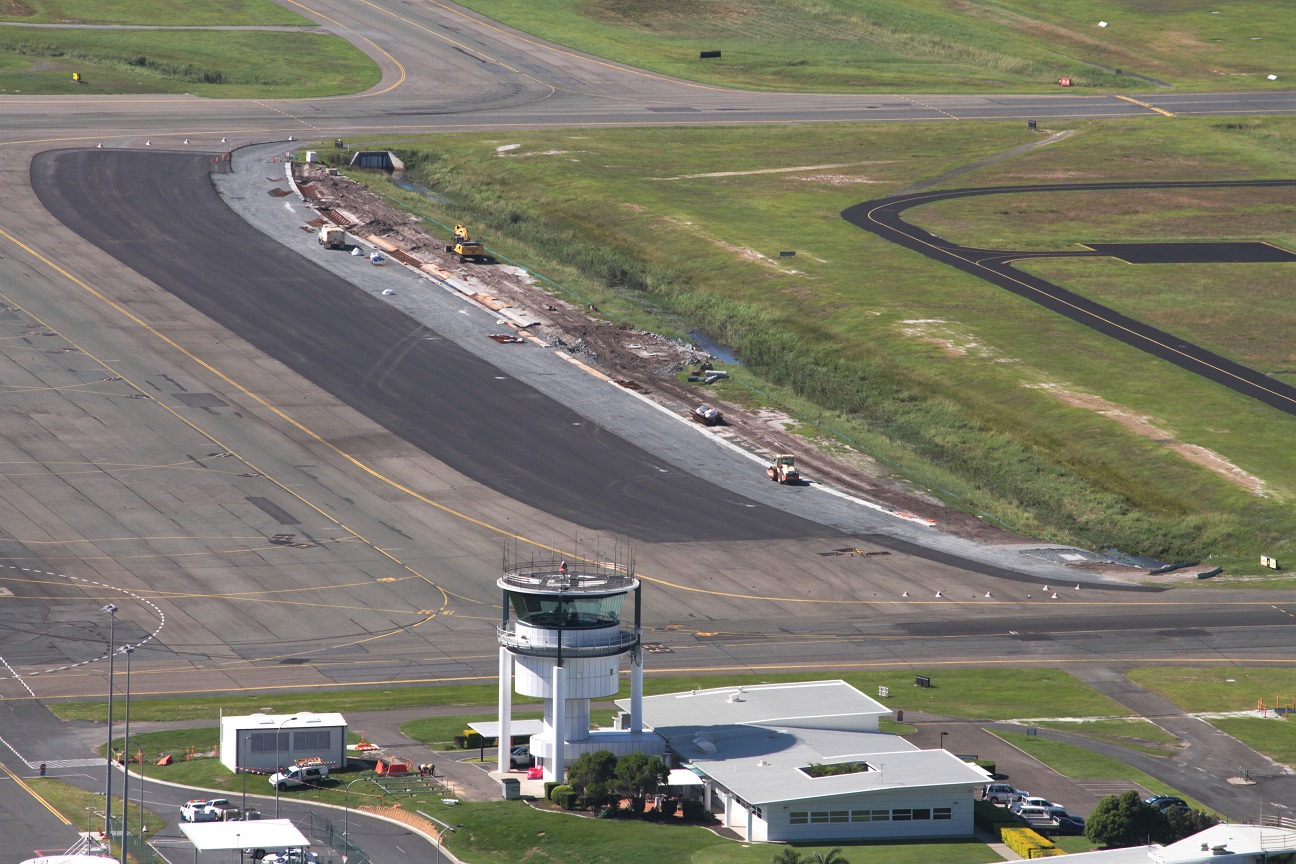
(1144, 105)
(32, 792)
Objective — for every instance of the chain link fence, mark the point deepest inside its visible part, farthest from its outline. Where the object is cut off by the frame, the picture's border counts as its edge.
(325, 831)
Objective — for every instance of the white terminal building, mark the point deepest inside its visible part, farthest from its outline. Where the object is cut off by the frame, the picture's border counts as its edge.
(754, 748)
(561, 639)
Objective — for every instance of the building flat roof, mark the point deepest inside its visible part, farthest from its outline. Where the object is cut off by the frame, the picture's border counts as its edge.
(270, 722)
(491, 728)
(256, 834)
(1231, 839)
(757, 744)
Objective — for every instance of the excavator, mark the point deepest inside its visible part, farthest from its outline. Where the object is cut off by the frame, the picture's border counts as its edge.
(466, 247)
(784, 469)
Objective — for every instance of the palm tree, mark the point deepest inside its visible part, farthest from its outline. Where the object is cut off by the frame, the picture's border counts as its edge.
(788, 855)
(834, 856)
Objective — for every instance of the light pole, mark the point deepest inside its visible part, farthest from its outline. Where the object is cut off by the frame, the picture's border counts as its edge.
(141, 795)
(89, 807)
(346, 813)
(942, 743)
(128, 651)
(112, 620)
(279, 782)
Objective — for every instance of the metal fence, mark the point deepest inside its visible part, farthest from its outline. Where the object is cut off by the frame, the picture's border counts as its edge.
(323, 830)
(137, 847)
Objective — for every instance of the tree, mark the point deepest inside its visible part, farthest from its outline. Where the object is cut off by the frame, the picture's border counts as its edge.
(591, 776)
(1124, 820)
(834, 856)
(637, 775)
(788, 855)
(1183, 823)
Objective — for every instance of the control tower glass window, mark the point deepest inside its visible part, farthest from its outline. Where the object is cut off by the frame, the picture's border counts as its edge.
(542, 610)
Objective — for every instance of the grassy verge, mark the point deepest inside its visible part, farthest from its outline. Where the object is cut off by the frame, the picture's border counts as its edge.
(225, 64)
(1225, 688)
(1272, 737)
(85, 809)
(1136, 734)
(952, 383)
(920, 45)
(190, 13)
(990, 694)
(1081, 764)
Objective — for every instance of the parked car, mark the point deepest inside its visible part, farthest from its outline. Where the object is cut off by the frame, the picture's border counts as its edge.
(211, 810)
(1067, 826)
(291, 856)
(520, 756)
(1166, 802)
(1002, 793)
(299, 775)
(1042, 803)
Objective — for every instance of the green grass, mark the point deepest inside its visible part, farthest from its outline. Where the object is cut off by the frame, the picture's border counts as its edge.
(1272, 737)
(1223, 688)
(190, 13)
(965, 404)
(1134, 733)
(228, 64)
(343, 701)
(504, 832)
(1081, 764)
(85, 809)
(922, 45)
(990, 694)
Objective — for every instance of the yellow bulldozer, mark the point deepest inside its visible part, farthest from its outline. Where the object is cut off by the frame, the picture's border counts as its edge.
(466, 247)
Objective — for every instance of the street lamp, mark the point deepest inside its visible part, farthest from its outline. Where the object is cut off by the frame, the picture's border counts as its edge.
(89, 807)
(279, 782)
(942, 741)
(346, 813)
(112, 620)
(128, 651)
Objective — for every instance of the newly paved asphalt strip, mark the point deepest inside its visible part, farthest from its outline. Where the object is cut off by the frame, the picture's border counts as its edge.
(493, 428)
(884, 218)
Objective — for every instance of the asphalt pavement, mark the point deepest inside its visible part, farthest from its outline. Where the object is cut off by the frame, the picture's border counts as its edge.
(883, 217)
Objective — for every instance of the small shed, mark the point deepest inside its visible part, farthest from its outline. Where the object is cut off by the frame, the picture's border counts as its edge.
(263, 743)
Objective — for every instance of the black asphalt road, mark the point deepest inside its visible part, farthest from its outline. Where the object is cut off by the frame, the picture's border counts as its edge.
(883, 217)
(1195, 253)
(435, 395)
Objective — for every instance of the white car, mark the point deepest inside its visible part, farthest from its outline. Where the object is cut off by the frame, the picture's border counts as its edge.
(211, 810)
(299, 775)
(1002, 793)
(1041, 803)
(291, 856)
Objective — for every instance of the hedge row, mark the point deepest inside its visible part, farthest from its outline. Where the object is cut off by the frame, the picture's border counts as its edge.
(1027, 843)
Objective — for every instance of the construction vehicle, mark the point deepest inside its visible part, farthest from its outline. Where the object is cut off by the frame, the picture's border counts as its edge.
(466, 247)
(332, 237)
(784, 469)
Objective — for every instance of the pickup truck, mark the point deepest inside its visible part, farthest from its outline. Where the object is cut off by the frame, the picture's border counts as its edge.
(299, 775)
(212, 810)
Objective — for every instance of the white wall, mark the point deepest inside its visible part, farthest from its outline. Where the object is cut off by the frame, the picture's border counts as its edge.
(775, 820)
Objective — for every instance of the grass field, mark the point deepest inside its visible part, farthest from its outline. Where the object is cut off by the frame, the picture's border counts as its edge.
(923, 45)
(1136, 734)
(85, 809)
(958, 386)
(228, 64)
(992, 694)
(1218, 688)
(189, 13)
(1081, 764)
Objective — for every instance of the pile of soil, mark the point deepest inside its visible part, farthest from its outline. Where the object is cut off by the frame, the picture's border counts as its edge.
(647, 362)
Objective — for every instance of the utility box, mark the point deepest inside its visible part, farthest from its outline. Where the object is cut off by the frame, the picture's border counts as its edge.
(512, 788)
(312, 156)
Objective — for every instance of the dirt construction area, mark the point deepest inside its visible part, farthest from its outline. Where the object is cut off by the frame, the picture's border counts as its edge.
(646, 362)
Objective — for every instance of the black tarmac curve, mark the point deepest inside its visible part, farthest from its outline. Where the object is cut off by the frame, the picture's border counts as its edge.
(159, 214)
(883, 217)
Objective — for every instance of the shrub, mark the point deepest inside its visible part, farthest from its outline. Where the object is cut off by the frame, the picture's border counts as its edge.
(1027, 843)
(694, 810)
(668, 807)
(549, 786)
(564, 797)
(990, 818)
(607, 811)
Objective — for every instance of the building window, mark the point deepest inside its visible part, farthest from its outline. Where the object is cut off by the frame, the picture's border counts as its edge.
(799, 817)
(311, 739)
(901, 815)
(881, 815)
(940, 813)
(839, 816)
(923, 815)
(818, 816)
(861, 815)
(264, 742)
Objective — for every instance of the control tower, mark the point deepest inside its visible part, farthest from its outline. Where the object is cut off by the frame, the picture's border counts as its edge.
(563, 634)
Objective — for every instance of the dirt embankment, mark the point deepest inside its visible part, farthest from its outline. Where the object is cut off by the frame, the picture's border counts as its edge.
(646, 362)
